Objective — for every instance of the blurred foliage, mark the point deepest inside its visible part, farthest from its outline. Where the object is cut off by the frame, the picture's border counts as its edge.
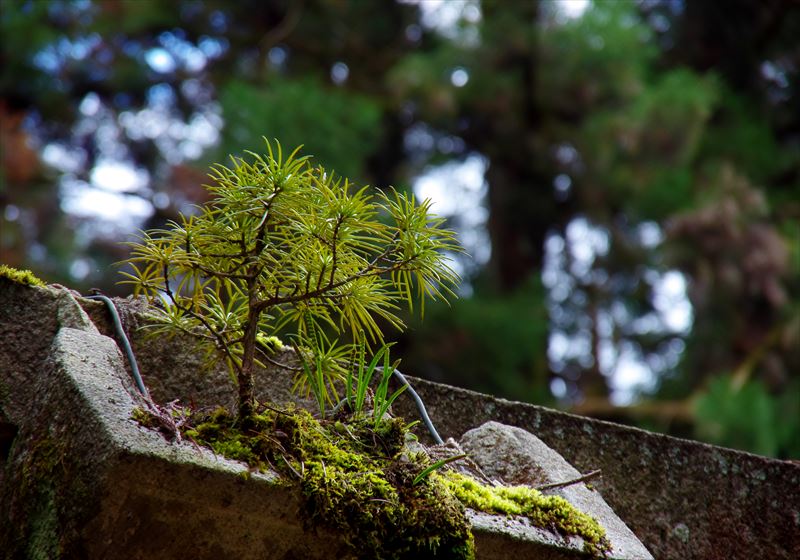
(657, 140)
(750, 417)
(640, 148)
(740, 135)
(339, 129)
(602, 57)
(490, 342)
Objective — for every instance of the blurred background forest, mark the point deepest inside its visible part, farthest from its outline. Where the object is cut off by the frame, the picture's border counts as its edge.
(624, 175)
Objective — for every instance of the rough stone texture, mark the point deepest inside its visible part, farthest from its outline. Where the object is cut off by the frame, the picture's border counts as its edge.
(81, 479)
(29, 324)
(498, 538)
(173, 369)
(515, 456)
(683, 499)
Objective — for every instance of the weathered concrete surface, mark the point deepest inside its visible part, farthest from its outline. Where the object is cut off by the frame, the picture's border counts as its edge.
(682, 498)
(515, 456)
(82, 479)
(173, 369)
(499, 538)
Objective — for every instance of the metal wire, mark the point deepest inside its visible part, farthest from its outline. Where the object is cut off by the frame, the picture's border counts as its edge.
(420, 406)
(124, 342)
(417, 401)
(126, 346)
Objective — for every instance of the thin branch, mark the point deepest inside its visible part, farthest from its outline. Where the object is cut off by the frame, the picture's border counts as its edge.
(288, 464)
(284, 28)
(339, 221)
(276, 363)
(221, 343)
(370, 270)
(582, 478)
(219, 274)
(261, 237)
(223, 255)
(321, 276)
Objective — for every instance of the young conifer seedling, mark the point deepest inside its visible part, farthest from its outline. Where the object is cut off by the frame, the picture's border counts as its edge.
(286, 245)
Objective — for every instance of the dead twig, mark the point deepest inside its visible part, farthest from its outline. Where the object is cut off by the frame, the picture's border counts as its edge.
(582, 478)
(288, 464)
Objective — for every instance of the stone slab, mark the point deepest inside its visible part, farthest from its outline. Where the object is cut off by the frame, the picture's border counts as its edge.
(82, 479)
(512, 455)
(683, 499)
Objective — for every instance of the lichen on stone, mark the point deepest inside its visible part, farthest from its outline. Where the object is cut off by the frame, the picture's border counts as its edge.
(20, 276)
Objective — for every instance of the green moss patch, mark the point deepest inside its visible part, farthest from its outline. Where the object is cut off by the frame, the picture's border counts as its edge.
(20, 276)
(359, 482)
(355, 480)
(550, 512)
(39, 501)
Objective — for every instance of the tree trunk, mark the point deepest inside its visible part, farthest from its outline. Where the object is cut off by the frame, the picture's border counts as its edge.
(508, 131)
(245, 378)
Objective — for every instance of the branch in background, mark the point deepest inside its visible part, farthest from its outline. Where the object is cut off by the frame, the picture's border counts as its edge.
(663, 411)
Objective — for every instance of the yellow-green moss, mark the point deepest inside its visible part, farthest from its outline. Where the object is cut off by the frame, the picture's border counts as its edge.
(20, 276)
(551, 512)
(143, 417)
(355, 480)
(358, 481)
(270, 343)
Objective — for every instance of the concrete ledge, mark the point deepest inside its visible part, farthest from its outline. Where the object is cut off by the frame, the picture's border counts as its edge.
(516, 456)
(85, 480)
(683, 499)
(82, 479)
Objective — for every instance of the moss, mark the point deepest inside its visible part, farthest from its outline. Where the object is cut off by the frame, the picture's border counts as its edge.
(354, 480)
(43, 540)
(270, 343)
(143, 417)
(37, 523)
(551, 512)
(358, 481)
(25, 277)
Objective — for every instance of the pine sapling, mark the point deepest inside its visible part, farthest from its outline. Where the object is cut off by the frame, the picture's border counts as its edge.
(286, 246)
